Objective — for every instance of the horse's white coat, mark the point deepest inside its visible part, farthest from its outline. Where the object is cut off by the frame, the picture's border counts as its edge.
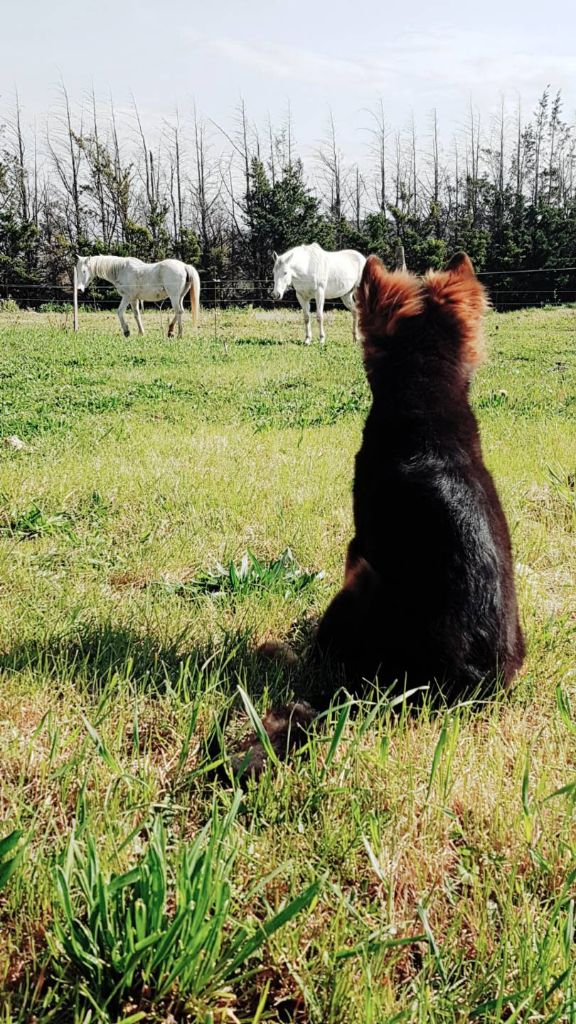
(139, 282)
(319, 275)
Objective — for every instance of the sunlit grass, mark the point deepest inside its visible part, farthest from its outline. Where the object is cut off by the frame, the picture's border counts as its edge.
(442, 846)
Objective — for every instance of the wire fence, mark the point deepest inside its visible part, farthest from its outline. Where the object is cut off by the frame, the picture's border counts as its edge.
(529, 287)
(513, 288)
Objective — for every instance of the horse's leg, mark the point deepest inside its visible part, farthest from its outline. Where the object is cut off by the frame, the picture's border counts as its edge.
(320, 296)
(178, 309)
(348, 301)
(123, 322)
(137, 317)
(305, 304)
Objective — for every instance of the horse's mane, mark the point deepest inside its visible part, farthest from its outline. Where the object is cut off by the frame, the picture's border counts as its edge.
(311, 245)
(107, 266)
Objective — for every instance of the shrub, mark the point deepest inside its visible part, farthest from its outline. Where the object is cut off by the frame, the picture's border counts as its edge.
(55, 307)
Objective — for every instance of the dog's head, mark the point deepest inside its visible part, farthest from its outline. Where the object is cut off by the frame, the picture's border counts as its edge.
(440, 313)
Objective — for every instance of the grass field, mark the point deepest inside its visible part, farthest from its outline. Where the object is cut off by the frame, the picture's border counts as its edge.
(403, 868)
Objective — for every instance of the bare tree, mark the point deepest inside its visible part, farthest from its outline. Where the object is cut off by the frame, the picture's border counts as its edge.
(155, 205)
(175, 186)
(519, 151)
(119, 178)
(356, 195)
(473, 162)
(555, 139)
(206, 186)
(541, 119)
(456, 184)
(413, 166)
(399, 257)
(22, 173)
(333, 174)
(65, 148)
(436, 180)
(378, 146)
(495, 157)
(98, 177)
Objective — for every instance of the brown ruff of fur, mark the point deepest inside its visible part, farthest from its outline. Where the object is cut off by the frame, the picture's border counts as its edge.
(461, 300)
(384, 298)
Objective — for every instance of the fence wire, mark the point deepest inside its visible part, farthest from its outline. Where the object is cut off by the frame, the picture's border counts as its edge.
(507, 290)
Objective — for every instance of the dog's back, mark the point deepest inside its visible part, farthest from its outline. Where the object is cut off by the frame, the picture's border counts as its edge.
(429, 591)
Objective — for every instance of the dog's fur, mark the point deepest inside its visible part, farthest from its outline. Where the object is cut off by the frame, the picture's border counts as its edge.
(428, 595)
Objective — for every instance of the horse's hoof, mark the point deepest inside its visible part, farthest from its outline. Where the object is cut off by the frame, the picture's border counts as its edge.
(126, 334)
(307, 341)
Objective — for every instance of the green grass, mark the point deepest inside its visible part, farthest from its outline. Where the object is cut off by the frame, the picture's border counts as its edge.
(176, 504)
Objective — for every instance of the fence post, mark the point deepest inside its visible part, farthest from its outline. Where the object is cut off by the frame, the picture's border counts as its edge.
(216, 312)
(75, 286)
(399, 257)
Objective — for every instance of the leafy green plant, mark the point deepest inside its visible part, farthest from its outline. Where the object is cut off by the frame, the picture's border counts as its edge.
(8, 865)
(34, 522)
(282, 575)
(152, 930)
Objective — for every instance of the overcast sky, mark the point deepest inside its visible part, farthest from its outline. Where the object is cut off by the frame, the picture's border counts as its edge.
(315, 53)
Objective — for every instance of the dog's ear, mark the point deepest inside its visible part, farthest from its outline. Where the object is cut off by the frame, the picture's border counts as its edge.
(385, 299)
(460, 301)
(461, 264)
(274, 256)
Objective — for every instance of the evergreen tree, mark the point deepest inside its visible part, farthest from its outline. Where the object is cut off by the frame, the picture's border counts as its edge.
(507, 195)
(282, 215)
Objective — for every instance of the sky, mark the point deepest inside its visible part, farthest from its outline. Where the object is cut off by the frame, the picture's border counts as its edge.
(314, 54)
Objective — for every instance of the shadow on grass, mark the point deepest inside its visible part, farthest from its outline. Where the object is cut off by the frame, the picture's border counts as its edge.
(95, 656)
(105, 660)
(260, 341)
(242, 695)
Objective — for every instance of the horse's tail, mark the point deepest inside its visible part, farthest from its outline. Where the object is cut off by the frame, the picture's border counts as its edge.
(194, 286)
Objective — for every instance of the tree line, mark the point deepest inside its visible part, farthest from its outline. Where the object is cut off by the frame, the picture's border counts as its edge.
(224, 198)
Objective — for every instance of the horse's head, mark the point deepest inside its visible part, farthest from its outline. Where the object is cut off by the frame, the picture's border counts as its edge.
(83, 273)
(282, 275)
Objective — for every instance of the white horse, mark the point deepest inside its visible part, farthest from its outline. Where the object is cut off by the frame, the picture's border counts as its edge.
(317, 274)
(139, 282)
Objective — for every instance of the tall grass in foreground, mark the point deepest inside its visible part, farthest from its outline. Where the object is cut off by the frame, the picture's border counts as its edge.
(157, 932)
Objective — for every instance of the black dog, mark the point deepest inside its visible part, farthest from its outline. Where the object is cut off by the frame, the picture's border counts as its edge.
(428, 596)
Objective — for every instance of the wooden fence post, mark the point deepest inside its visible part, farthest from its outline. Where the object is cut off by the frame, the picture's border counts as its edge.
(75, 299)
(399, 257)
